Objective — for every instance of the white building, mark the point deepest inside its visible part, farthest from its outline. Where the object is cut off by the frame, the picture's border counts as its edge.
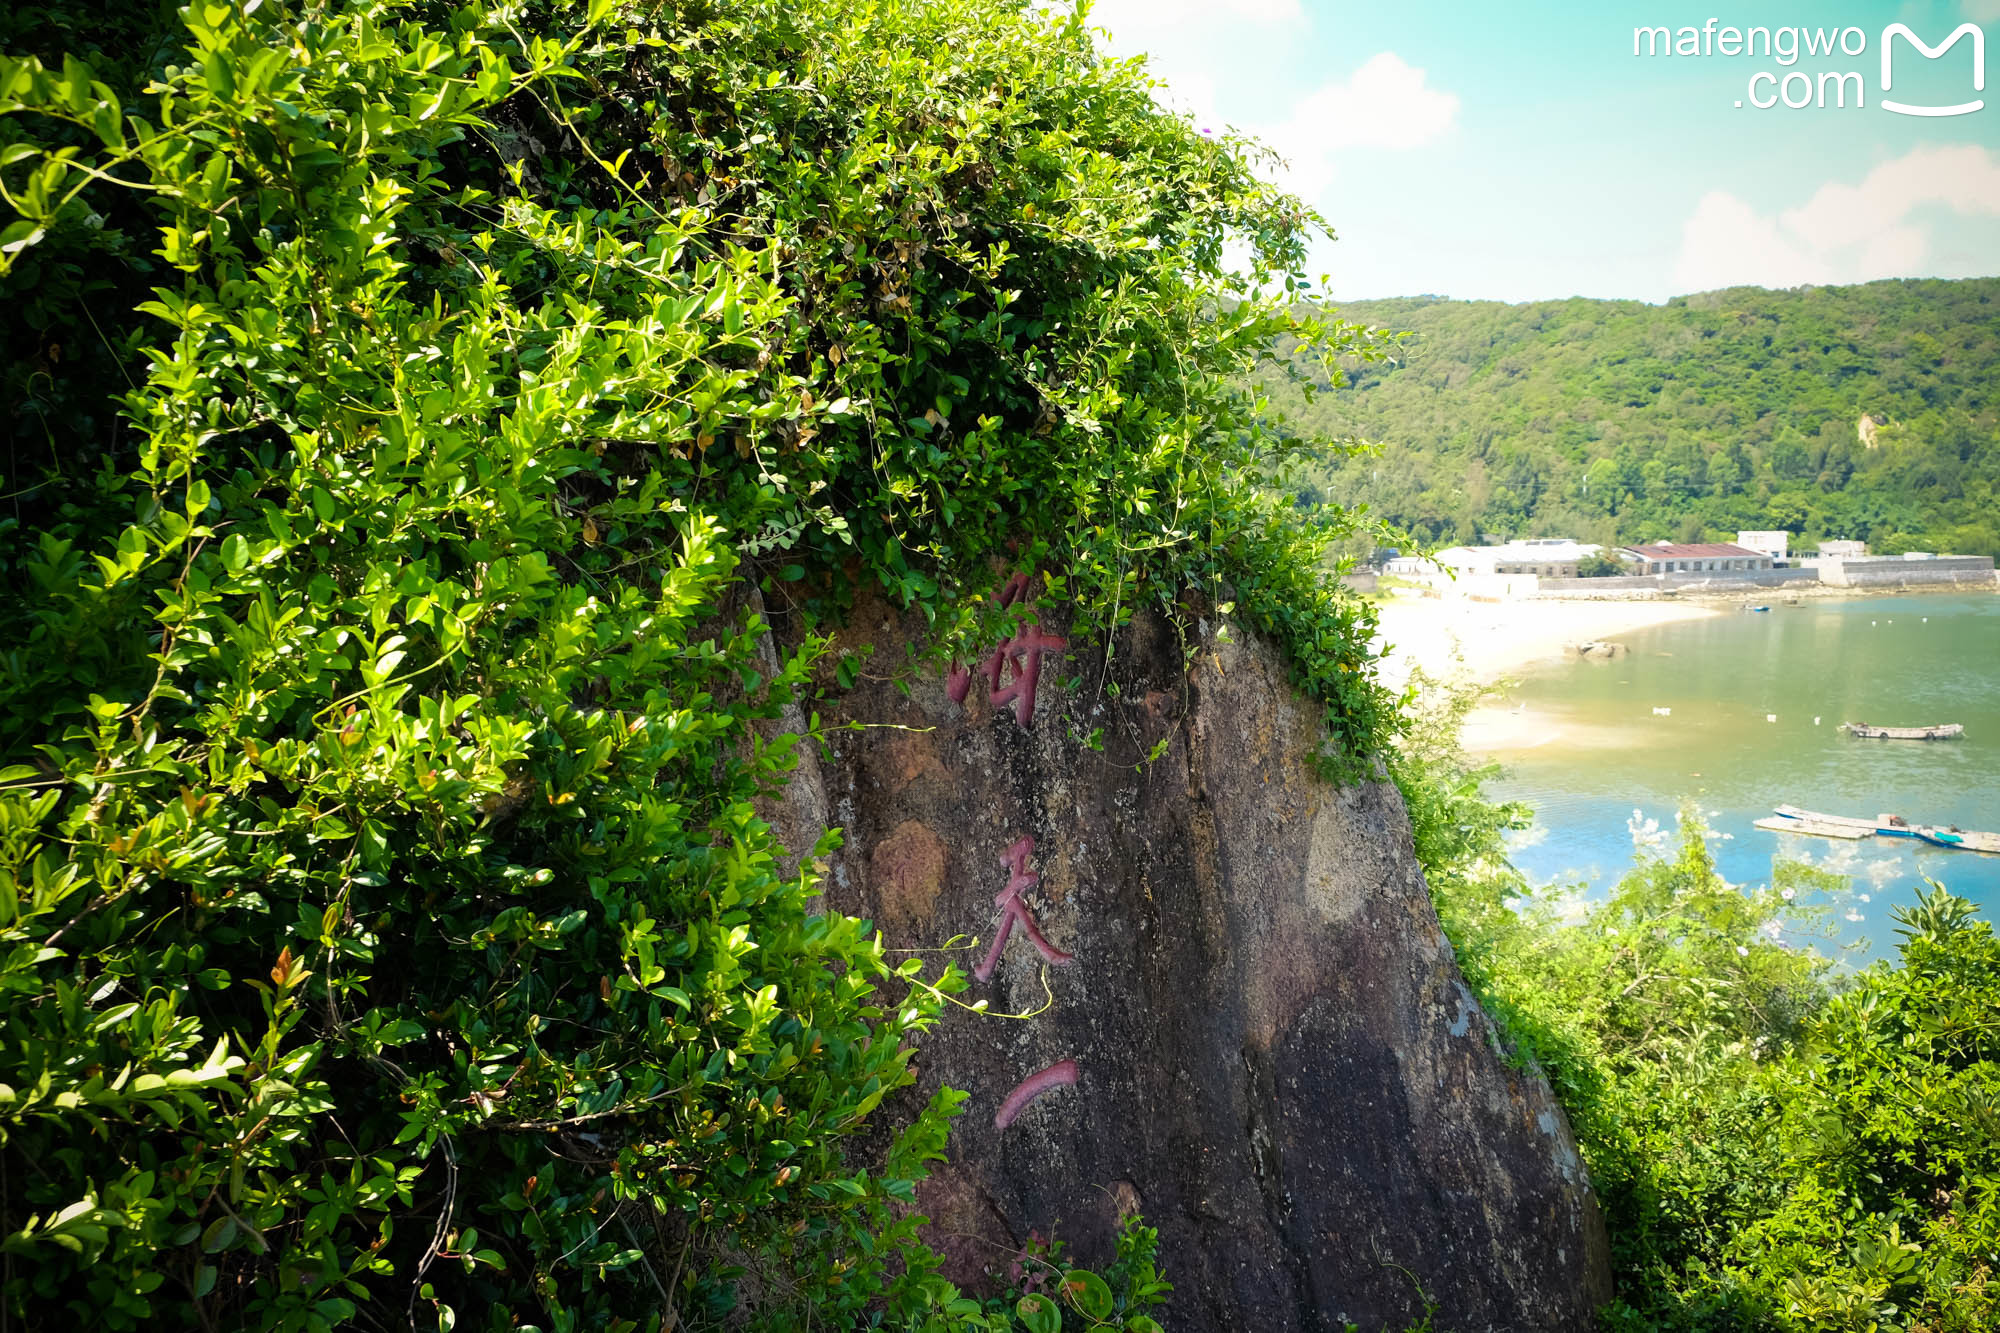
(1777, 545)
(1556, 557)
(1552, 556)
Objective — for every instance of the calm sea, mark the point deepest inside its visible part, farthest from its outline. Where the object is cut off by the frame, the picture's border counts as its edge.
(1756, 701)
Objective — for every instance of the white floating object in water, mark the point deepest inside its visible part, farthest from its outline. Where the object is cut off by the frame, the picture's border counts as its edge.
(1770, 717)
(1662, 712)
(1864, 898)
(1815, 719)
(1871, 622)
(1927, 620)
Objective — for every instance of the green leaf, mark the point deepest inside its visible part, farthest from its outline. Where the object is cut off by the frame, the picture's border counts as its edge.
(1088, 1292)
(220, 1233)
(1038, 1314)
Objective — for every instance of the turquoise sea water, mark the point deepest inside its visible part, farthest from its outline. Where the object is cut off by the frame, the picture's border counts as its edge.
(1757, 700)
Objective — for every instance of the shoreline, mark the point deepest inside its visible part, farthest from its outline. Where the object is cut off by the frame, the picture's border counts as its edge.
(1784, 592)
(1458, 642)
(1461, 644)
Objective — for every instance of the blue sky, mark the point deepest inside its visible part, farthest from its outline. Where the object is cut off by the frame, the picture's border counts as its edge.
(1520, 151)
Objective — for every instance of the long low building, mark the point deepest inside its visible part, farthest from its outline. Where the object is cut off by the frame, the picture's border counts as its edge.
(1553, 556)
(1692, 558)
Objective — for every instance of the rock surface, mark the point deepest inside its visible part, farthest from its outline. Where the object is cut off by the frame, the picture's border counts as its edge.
(1276, 1061)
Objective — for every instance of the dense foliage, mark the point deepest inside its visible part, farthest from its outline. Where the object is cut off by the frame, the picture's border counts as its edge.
(403, 402)
(1614, 421)
(1776, 1145)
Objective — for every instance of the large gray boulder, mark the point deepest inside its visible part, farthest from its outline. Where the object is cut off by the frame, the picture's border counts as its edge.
(1274, 1058)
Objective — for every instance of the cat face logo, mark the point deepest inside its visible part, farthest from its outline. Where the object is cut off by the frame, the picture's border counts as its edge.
(1895, 30)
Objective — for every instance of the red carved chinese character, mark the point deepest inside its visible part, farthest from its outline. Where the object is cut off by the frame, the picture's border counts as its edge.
(1061, 1074)
(1019, 656)
(1014, 912)
(1024, 653)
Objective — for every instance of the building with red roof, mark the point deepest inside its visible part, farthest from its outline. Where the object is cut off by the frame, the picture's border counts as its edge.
(1692, 558)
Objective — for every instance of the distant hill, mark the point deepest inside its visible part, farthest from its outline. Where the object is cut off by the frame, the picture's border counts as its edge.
(1616, 420)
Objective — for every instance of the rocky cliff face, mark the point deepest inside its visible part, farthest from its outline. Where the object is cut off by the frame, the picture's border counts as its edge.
(1258, 1035)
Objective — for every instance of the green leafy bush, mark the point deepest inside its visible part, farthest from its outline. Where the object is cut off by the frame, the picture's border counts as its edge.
(389, 930)
(1776, 1144)
(1886, 1174)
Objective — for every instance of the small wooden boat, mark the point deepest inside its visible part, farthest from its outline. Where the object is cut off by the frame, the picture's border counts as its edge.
(1943, 731)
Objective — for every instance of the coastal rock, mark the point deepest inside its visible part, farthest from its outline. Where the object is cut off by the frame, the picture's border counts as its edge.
(1247, 1025)
(1600, 651)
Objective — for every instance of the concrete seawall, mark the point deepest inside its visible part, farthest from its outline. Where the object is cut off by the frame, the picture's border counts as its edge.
(1872, 572)
(1945, 571)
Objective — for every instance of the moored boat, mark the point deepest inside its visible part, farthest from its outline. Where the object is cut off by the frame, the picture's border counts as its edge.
(1791, 819)
(1942, 731)
(1968, 840)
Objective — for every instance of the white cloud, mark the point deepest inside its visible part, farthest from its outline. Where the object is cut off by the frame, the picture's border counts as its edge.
(1727, 243)
(1190, 92)
(1173, 35)
(1387, 103)
(1844, 233)
(1138, 26)
(1129, 21)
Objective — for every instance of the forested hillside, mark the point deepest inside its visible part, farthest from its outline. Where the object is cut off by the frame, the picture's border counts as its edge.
(1733, 409)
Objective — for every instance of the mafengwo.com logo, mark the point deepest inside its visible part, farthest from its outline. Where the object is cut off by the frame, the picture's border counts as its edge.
(1896, 47)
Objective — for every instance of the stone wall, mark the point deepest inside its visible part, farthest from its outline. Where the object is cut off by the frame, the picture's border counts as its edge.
(1891, 572)
(1629, 585)
(1869, 572)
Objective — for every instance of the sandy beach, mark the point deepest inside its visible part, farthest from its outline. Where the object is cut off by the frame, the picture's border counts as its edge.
(1455, 639)
(1458, 641)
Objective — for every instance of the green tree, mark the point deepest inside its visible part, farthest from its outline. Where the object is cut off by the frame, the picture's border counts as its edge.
(1599, 567)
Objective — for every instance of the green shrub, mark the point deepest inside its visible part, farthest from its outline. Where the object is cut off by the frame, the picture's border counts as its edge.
(1887, 1162)
(1776, 1144)
(389, 931)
